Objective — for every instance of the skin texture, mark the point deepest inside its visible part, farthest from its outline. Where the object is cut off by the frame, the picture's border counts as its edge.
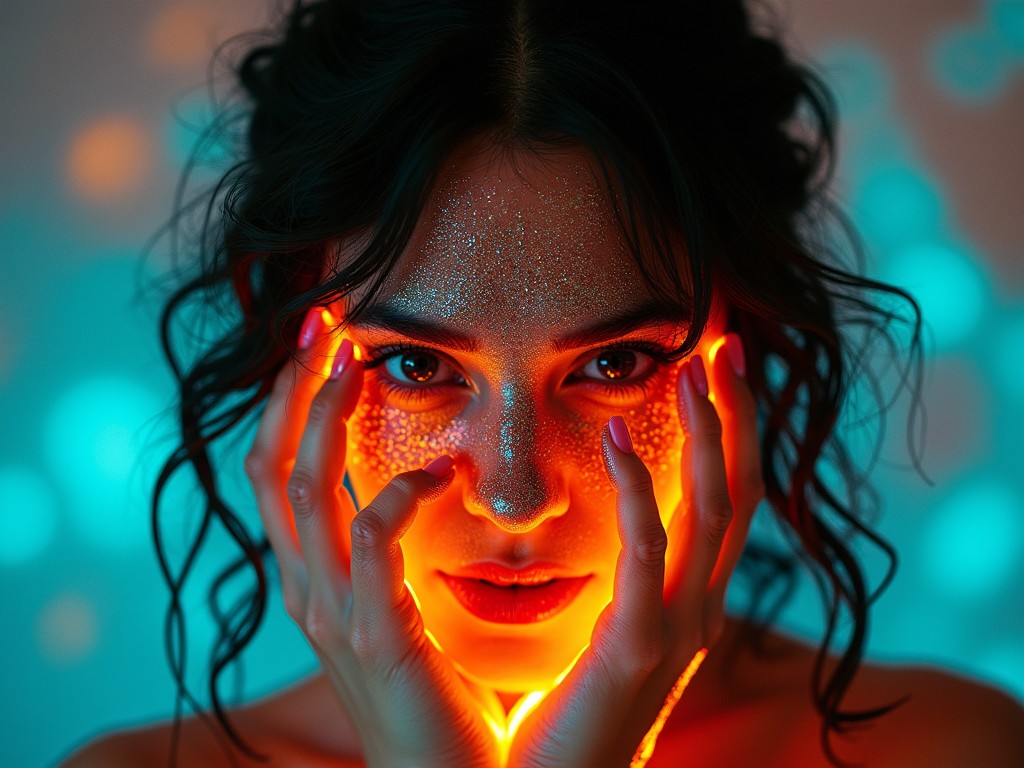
(515, 252)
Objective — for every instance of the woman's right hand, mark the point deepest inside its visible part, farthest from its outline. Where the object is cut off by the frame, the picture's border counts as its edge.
(405, 699)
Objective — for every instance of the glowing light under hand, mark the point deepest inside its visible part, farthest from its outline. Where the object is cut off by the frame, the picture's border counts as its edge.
(646, 749)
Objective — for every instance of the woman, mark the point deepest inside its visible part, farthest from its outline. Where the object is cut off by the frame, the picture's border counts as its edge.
(543, 280)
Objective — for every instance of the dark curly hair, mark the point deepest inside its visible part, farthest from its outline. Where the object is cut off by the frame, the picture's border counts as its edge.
(704, 126)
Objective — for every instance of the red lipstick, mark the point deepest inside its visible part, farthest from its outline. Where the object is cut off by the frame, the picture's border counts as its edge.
(503, 595)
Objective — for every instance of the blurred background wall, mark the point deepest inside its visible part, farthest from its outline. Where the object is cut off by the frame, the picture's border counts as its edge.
(99, 106)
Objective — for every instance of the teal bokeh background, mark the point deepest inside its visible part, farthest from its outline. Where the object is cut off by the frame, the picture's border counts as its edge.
(932, 101)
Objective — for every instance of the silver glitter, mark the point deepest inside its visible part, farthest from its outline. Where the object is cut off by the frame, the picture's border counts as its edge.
(514, 281)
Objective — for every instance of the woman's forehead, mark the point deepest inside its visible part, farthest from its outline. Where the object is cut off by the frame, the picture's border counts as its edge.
(513, 245)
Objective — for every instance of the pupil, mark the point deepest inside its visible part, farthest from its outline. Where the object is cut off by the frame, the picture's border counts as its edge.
(419, 367)
(617, 365)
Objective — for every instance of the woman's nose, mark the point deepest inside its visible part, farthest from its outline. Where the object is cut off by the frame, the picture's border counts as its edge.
(518, 482)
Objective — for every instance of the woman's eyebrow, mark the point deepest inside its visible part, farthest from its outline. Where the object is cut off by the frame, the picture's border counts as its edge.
(630, 319)
(389, 318)
(650, 313)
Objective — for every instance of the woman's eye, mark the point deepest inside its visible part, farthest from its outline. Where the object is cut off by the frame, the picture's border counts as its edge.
(420, 367)
(617, 365)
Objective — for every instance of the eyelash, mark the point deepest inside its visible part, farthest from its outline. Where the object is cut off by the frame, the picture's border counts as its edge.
(661, 356)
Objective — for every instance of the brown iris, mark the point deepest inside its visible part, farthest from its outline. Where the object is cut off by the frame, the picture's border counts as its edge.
(419, 367)
(616, 364)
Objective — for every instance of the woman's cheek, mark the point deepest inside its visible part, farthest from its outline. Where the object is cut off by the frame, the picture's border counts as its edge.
(385, 440)
(658, 439)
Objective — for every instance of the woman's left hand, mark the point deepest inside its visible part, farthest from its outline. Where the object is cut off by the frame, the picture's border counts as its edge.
(654, 627)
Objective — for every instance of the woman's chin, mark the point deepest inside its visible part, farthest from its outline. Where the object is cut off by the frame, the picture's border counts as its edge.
(512, 664)
(511, 678)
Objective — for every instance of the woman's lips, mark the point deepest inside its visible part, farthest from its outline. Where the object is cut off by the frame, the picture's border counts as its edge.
(504, 595)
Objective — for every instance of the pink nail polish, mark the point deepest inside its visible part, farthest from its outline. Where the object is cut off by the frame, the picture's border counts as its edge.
(698, 375)
(737, 359)
(309, 328)
(342, 358)
(440, 466)
(620, 434)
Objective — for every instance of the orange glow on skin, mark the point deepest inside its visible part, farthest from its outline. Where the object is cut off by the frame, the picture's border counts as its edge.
(561, 450)
(484, 652)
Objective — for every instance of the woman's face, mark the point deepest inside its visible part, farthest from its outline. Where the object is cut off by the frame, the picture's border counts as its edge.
(514, 326)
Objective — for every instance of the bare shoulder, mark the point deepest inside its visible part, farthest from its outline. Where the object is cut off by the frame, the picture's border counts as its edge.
(753, 706)
(291, 728)
(944, 719)
(150, 745)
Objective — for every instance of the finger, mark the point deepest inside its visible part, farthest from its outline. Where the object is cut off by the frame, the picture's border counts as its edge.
(270, 460)
(708, 511)
(294, 388)
(628, 642)
(737, 410)
(313, 487)
(631, 630)
(377, 567)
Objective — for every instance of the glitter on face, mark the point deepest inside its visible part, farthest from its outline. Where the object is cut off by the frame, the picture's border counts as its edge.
(514, 259)
(512, 276)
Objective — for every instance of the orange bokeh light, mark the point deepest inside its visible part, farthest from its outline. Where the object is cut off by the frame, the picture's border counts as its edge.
(182, 36)
(109, 158)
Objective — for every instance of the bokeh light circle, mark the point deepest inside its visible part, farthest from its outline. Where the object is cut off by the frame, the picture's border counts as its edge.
(181, 37)
(1007, 354)
(974, 539)
(969, 64)
(94, 440)
(28, 515)
(1008, 19)
(67, 629)
(109, 159)
(898, 206)
(947, 283)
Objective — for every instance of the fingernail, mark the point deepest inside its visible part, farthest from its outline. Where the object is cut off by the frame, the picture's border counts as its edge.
(309, 328)
(440, 466)
(698, 375)
(734, 348)
(342, 358)
(620, 434)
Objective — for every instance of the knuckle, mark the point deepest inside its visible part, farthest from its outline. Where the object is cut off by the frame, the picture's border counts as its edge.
(260, 468)
(255, 465)
(718, 520)
(319, 409)
(650, 545)
(639, 481)
(301, 490)
(368, 529)
(402, 487)
(320, 627)
(709, 428)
